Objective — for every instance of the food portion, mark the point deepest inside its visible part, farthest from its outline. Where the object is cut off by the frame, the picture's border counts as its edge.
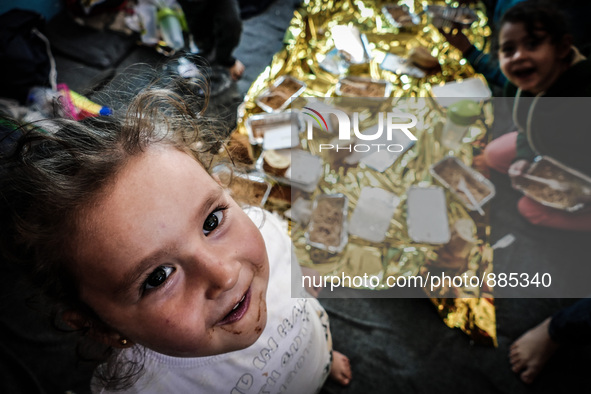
(360, 87)
(327, 221)
(450, 172)
(570, 197)
(293, 167)
(276, 162)
(261, 126)
(278, 95)
(342, 150)
(454, 255)
(463, 238)
(248, 189)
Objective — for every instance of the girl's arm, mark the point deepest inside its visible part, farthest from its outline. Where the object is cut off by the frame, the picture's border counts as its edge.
(486, 65)
(482, 62)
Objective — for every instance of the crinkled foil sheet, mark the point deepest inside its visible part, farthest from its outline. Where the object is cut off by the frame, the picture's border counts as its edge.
(307, 41)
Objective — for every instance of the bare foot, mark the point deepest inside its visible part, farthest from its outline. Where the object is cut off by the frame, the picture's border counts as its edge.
(340, 371)
(530, 352)
(237, 70)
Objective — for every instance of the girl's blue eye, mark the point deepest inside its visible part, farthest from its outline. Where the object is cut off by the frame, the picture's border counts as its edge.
(158, 277)
(212, 221)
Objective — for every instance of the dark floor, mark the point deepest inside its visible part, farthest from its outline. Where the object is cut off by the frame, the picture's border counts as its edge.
(395, 345)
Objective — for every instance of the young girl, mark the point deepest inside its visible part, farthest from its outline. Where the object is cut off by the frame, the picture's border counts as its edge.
(122, 225)
(551, 81)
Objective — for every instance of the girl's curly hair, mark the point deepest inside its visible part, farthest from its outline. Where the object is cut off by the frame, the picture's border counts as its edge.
(538, 16)
(51, 172)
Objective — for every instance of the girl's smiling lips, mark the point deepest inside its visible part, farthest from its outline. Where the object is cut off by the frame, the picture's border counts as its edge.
(238, 311)
(523, 72)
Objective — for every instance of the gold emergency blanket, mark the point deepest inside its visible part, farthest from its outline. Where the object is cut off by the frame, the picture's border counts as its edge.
(307, 43)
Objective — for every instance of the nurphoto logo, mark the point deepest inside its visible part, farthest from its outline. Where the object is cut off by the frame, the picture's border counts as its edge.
(388, 124)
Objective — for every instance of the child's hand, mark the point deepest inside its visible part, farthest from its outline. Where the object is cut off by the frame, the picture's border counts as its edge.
(517, 169)
(458, 39)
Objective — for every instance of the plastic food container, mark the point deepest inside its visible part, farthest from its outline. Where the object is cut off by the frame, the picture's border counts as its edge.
(304, 172)
(327, 229)
(567, 200)
(278, 96)
(399, 16)
(258, 125)
(363, 87)
(334, 62)
(251, 189)
(426, 218)
(445, 16)
(460, 116)
(450, 170)
(372, 214)
(401, 66)
(470, 88)
(351, 44)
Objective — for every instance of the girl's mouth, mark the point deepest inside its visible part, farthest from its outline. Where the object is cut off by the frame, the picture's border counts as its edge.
(238, 311)
(523, 73)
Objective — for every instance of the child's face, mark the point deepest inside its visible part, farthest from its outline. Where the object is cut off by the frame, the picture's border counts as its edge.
(171, 262)
(530, 63)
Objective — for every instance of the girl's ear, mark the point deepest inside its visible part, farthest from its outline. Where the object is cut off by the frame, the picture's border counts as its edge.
(98, 332)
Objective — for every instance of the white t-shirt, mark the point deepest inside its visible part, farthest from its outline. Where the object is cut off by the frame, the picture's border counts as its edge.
(292, 355)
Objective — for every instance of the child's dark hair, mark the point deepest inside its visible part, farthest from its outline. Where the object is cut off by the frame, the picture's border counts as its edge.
(51, 172)
(538, 16)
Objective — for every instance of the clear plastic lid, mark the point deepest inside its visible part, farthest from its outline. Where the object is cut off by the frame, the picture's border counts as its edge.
(372, 215)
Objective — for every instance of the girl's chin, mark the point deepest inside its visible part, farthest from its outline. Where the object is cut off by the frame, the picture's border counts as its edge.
(529, 83)
(528, 86)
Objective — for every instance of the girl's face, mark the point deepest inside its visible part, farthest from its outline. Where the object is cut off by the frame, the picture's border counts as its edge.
(170, 261)
(530, 63)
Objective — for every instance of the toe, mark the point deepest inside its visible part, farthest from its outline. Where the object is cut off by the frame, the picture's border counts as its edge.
(517, 365)
(345, 377)
(527, 376)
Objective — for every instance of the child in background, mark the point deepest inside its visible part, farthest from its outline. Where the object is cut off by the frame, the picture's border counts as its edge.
(486, 64)
(119, 222)
(537, 57)
(216, 27)
(482, 62)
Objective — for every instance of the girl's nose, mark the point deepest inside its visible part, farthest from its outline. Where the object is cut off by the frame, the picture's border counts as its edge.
(220, 272)
(518, 54)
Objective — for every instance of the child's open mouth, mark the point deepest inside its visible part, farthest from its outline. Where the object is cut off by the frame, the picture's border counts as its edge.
(524, 72)
(238, 311)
